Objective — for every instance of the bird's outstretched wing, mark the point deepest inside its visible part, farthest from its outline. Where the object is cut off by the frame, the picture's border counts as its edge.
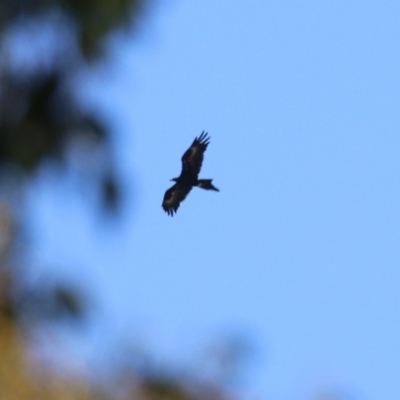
(194, 155)
(173, 197)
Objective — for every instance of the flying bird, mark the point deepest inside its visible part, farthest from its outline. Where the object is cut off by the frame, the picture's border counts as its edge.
(191, 165)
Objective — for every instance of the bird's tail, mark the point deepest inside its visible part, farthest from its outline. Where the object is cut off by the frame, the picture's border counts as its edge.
(206, 184)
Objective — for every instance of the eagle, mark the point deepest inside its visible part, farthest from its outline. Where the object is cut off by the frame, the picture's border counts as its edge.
(192, 160)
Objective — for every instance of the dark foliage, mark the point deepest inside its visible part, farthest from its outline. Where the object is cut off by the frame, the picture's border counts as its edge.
(44, 47)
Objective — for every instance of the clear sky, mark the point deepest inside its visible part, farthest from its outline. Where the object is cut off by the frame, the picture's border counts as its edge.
(300, 248)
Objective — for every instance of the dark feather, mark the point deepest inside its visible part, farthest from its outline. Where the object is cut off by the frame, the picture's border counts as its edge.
(173, 197)
(192, 161)
(206, 184)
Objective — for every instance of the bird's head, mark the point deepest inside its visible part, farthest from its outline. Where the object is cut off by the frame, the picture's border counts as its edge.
(174, 180)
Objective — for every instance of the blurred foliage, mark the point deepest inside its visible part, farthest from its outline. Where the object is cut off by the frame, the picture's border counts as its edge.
(44, 47)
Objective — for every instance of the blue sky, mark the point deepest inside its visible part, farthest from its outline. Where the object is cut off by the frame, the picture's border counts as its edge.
(300, 249)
